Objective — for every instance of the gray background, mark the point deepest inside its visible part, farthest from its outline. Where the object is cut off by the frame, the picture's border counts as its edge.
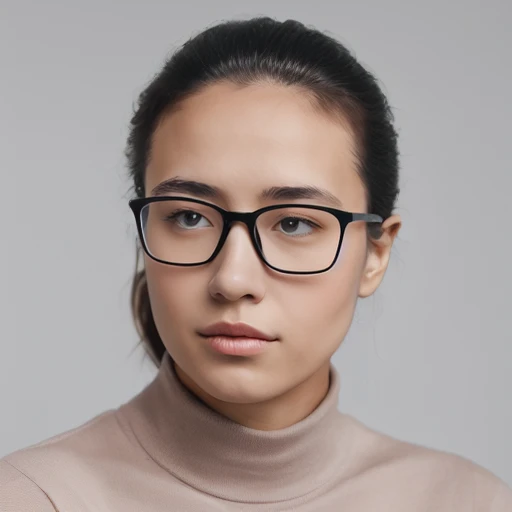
(428, 357)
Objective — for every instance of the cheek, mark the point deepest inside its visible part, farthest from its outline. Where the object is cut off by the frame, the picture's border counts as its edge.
(172, 295)
(323, 306)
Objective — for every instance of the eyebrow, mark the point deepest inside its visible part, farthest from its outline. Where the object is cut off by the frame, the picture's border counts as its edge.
(196, 188)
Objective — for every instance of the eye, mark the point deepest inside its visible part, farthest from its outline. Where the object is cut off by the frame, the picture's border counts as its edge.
(296, 226)
(188, 219)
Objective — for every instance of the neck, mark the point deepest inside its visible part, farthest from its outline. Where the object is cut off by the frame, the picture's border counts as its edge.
(273, 414)
(220, 456)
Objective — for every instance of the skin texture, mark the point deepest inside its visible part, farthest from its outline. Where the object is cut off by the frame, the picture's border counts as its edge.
(243, 140)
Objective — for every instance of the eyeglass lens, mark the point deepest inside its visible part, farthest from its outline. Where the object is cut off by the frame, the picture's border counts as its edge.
(293, 239)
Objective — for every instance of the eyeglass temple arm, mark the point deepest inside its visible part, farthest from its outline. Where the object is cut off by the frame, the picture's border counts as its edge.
(367, 217)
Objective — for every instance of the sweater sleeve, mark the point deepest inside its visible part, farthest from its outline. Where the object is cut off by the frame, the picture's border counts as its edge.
(502, 501)
(19, 493)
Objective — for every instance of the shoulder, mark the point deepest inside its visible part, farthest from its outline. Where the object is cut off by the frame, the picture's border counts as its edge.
(411, 468)
(32, 475)
(86, 439)
(19, 492)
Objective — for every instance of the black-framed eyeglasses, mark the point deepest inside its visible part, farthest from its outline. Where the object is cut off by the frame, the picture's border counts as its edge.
(289, 238)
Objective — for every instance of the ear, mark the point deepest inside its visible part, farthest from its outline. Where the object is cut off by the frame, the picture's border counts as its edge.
(377, 260)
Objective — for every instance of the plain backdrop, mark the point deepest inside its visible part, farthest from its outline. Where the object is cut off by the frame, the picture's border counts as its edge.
(428, 357)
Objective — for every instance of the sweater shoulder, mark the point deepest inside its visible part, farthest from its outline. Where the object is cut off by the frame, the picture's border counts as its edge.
(383, 458)
(62, 469)
(377, 449)
(19, 492)
(71, 450)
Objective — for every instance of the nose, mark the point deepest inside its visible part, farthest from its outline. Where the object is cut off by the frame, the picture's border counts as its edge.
(238, 270)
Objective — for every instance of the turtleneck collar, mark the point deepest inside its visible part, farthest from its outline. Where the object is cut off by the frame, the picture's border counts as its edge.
(218, 456)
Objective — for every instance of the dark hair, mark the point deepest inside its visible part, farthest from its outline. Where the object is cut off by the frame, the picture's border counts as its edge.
(265, 50)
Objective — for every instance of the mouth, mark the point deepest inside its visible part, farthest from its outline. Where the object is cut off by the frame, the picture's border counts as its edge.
(236, 339)
(236, 332)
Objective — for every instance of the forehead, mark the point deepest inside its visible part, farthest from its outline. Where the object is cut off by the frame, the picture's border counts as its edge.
(246, 139)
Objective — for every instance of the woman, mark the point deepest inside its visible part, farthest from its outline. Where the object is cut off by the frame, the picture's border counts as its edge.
(265, 170)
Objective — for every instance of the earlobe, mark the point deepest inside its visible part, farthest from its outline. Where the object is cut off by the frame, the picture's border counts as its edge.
(378, 257)
(373, 273)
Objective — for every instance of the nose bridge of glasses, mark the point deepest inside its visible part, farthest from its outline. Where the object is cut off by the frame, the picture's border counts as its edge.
(247, 218)
(244, 219)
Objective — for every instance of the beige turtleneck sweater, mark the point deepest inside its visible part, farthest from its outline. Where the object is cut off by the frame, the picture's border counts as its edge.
(165, 450)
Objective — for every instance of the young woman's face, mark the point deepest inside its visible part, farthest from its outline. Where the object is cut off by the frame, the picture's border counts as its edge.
(243, 141)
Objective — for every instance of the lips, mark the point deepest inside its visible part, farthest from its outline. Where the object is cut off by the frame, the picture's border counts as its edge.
(238, 330)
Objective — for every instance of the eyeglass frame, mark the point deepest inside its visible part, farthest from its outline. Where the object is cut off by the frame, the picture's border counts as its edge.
(249, 219)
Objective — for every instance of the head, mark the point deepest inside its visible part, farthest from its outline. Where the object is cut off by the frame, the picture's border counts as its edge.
(243, 108)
